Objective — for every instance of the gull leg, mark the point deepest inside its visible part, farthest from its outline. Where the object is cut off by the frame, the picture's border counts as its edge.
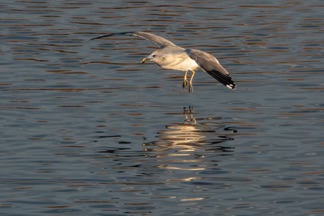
(185, 82)
(190, 82)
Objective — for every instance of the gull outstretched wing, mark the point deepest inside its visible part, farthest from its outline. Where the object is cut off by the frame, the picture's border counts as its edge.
(159, 41)
(211, 65)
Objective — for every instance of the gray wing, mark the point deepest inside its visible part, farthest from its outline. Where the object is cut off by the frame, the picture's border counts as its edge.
(159, 41)
(211, 65)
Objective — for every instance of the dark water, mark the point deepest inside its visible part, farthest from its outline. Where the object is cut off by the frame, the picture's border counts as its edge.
(88, 130)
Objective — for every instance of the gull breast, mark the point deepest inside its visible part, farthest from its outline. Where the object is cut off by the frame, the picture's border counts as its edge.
(183, 64)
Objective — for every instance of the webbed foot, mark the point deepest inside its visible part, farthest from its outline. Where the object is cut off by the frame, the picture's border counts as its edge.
(185, 83)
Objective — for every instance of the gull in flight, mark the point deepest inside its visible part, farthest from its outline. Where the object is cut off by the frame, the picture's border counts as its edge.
(173, 57)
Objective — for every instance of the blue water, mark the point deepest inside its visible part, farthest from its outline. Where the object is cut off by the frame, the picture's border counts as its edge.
(88, 130)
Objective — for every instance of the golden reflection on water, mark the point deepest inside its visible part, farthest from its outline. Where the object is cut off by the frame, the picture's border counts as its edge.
(192, 145)
(183, 138)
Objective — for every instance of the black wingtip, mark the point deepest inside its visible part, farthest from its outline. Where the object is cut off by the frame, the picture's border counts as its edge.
(231, 86)
(102, 36)
(225, 79)
(112, 34)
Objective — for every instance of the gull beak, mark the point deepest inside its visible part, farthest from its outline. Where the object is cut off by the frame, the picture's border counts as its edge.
(144, 60)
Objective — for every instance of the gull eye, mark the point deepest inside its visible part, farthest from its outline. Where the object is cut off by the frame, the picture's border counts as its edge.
(153, 56)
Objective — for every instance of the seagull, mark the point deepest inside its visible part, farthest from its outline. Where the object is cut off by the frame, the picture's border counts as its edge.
(173, 57)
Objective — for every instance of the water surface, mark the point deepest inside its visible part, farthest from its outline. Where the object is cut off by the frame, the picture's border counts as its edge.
(86, 129)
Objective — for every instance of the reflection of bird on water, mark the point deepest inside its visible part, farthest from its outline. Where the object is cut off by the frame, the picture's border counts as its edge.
(192, 134)
(172, 57)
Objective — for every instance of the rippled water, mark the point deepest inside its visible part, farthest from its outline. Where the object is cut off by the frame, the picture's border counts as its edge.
(86, 129)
